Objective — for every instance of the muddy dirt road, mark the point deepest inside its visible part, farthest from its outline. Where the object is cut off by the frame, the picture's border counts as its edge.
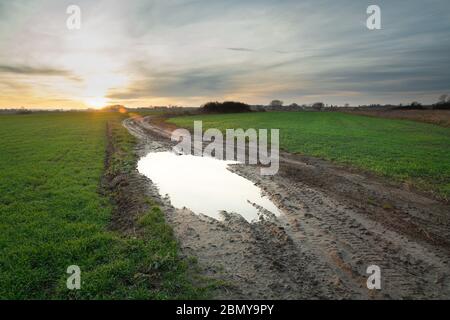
(335, 223)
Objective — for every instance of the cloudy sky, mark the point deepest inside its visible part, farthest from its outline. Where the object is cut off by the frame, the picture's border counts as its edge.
(187, 52)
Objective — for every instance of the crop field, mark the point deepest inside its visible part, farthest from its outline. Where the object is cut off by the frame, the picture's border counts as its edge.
(325, 175)
(53, 216)
(438, 117)
(405, 151)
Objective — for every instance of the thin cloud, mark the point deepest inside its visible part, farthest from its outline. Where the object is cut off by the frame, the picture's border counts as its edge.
(37, 71)
(241, 49)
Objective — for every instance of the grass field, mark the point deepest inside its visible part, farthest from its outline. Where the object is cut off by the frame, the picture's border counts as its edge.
(438, 117)
(53, 216)
(406, 151)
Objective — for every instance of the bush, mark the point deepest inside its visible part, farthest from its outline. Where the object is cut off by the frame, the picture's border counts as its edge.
(225, 107)
(442, 106)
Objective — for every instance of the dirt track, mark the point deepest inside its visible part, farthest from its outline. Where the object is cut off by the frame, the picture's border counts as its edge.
(335, 224)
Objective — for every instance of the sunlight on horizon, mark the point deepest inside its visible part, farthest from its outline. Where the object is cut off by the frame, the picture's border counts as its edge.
(96, 102)
(137, 54)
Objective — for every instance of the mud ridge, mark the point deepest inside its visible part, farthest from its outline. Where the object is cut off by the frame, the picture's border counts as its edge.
(335, 223)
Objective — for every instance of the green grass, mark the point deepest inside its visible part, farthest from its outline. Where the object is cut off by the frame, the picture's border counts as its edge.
(52, 216)
(405, 151)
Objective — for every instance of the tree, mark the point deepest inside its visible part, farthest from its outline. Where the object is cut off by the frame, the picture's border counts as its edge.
(276, 103)
(444, 98)
(225, 107)
(318, 105)
(444, 102)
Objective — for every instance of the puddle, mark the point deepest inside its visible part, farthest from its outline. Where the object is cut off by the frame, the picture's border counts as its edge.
(204, 185)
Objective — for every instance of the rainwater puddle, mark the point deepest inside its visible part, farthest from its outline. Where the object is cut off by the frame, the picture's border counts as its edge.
(204, 185)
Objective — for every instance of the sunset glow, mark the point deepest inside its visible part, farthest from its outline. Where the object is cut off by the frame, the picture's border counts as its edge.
(142, 53)
(96, 102)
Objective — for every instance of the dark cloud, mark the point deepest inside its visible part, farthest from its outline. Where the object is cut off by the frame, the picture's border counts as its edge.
(38, 71)
(181, 83)
(28, 70)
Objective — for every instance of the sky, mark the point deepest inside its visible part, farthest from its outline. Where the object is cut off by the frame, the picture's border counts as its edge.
(186, 52)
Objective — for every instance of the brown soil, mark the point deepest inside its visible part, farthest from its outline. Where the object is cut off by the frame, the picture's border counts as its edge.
(126, 189)
(335, 223)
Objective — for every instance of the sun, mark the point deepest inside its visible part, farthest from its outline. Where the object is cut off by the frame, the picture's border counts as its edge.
(96, 102)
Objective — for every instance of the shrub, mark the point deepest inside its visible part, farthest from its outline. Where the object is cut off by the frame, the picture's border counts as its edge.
(225, 107)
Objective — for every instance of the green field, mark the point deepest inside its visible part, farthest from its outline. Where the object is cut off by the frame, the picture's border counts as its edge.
(405, 151)
(52, 216)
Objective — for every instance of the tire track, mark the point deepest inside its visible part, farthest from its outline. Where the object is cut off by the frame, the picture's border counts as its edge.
(327, 237)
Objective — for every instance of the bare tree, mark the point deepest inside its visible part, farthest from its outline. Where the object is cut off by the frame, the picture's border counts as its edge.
(416, 105)
(444, 98)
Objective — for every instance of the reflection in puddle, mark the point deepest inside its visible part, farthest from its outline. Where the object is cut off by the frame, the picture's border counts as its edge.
(204, 185)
